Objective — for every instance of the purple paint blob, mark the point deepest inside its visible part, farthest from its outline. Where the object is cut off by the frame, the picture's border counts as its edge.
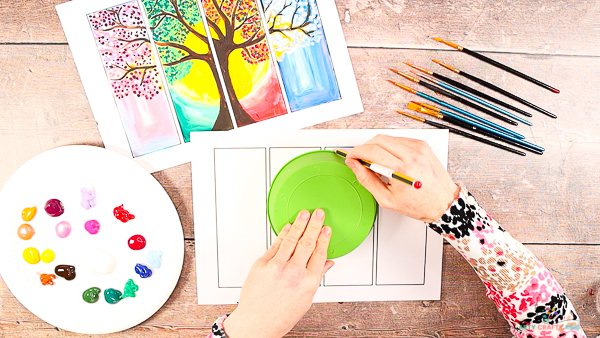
(87, 198)
(92, 226)
(54, 208)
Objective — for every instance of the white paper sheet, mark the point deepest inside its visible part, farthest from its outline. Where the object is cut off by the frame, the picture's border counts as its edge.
(85, 53)
(401, 259)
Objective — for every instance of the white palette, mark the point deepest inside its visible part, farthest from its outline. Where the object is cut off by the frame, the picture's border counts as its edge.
(401, 259)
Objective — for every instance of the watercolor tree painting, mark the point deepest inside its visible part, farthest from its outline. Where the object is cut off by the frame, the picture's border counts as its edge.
(189, 65)
(130, 65)
(298, 40)
(248, 72)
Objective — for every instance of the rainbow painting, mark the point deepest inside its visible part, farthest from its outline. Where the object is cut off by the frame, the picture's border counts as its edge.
(248, 72)
(189, 65)
(297, 38)
(130, 65)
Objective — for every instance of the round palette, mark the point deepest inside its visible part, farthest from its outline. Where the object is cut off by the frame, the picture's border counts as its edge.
(321, 179)
(94, 253)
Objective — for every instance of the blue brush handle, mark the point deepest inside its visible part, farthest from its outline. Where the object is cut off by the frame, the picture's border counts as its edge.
(525, 143)
(505, 131)
(485, 103)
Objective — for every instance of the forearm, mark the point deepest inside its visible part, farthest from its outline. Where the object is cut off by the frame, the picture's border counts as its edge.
(524, 291)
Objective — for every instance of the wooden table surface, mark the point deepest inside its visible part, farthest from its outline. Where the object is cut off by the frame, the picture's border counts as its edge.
(550, 202)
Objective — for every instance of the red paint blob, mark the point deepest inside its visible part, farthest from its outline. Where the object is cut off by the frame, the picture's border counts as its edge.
(122, 214)
(418, 185)
(136, 242)
(54, 208)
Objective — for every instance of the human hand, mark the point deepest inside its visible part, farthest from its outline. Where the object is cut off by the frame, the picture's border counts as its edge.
(282, 283)
(412, 158)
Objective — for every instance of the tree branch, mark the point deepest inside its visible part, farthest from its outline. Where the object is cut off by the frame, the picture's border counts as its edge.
(180, 18)
(228, 26)
(252, 41)
(129, 42)
(132, 69)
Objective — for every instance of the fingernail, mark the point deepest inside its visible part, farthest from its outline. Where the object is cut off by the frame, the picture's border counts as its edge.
(350, 164)
(304, 214)
(326, 230)
(320, 214)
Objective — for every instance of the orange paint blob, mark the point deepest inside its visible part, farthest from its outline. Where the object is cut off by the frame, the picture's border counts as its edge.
(25, 231)
(28, 213)
(47, 279)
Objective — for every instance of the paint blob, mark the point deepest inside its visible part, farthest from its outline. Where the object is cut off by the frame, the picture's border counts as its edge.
(92, 226)
(136, 242)
(91, 295)
(87, 198)
(54, 208)
(47, 279)
(122, 214)
(112, 296)
(31, 255)
(63, 229)
(65, 271)
(101, 262)
(28, 213)
(130, 289)
(154, 258)
(47, 256)
(143, 270)
(25, 231)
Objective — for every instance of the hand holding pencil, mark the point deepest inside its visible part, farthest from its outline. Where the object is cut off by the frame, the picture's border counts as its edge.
(413, 158)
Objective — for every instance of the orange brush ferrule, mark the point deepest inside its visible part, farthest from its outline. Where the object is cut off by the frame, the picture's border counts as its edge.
(427, 106)
(424, 70)
(408, 89)
(421, 109)
(446, 65)
(414, 79)
(448, 43)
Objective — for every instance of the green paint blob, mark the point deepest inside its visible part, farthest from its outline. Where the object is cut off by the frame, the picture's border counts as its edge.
(112, 296)
(91, 295)
(130, 289)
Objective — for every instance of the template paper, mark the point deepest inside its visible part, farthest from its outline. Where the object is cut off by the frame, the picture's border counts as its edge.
(153, 74)
(401, 259)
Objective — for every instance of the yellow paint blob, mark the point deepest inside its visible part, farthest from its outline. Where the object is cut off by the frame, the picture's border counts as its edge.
(28, 213)
(31, 255)
(47, 256)
(25, 231)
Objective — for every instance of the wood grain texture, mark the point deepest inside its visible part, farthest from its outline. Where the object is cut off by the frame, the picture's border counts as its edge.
(463, 311)
(549, 201)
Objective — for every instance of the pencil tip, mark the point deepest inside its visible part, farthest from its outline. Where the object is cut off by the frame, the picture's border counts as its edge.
(554, 90)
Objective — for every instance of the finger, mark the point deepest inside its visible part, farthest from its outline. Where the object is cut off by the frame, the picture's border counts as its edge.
(328, 265)
(371, 182)
(319, 255)
(289, 242)
(275, 246)
(308, 242)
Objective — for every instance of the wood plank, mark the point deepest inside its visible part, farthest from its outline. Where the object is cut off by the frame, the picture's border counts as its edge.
(543, 27)
(526, 194)
(463, 310)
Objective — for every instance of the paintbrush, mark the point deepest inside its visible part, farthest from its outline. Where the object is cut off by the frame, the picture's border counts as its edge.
(472, 97)
(505, 131)
(495, 88)
(498, 64)
(463, 133)
(456, 98)
(474, 126)
(470, 90)
(384, 171)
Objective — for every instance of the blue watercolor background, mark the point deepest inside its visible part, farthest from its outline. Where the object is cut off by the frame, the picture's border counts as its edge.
(193, 115)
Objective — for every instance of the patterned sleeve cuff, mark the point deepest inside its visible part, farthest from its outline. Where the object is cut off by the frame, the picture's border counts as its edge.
(217, 329)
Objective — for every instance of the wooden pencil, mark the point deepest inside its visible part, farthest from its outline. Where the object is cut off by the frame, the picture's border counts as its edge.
(498, 64)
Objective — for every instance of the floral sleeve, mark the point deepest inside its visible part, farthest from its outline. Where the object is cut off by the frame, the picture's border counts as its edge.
(217, 330)
(524, 291)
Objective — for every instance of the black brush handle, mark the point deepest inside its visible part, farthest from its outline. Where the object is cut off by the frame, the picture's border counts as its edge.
(506, 93)
(508, 69)
(480, 94)
(474, 137)
(466, 102)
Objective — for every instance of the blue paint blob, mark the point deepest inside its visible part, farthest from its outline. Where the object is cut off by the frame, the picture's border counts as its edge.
(143, 270)
(154, 258)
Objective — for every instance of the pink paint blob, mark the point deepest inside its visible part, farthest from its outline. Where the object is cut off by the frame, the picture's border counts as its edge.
(63, 229)
(92, 226)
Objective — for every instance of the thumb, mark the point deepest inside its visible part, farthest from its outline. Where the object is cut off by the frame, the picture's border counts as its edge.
(328, 265)
(370, 181)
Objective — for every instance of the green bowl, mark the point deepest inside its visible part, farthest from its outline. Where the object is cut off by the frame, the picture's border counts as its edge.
(321, 179)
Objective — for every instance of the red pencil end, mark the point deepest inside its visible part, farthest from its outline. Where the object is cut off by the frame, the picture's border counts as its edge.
(417, 185)
(554, 90)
